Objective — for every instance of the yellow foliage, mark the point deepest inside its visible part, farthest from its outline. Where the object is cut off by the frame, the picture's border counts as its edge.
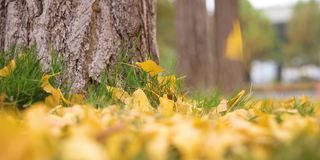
(141, 102)
(168, 82)
(7, 70)
(234, 44)
(150, 67)
(56, 95)
(166, 106)
(120, 94)
(234, 129)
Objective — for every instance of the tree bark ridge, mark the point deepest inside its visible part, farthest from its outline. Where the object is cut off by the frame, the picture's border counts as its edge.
(88, 34)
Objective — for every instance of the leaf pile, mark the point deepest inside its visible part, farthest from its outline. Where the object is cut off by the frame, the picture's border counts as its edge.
(175, 128)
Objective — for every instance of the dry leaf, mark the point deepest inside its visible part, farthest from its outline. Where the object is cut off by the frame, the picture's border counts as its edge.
(7, 70)
(150, 67)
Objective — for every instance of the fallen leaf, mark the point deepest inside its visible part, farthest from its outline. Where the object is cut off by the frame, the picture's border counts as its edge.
(166, 105)
(168, 82)
(140, 101)
(150, 67)
(56, 94)
(120, 94)
(77, 99)
(236, 99)
(7, 70)
(222, 107)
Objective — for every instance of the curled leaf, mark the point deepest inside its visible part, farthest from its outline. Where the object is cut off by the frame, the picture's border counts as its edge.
(236, 99)
(56, 95)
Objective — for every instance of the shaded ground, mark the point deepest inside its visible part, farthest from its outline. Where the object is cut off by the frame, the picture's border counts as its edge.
(281, 91)
(285, 94)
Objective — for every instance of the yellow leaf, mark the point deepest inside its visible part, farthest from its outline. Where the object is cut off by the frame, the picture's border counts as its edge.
(166, 105)
(222, 107)
(3, 96)
(45, 84)
(140, 101)
(7, 70)
(168, 81)
(150, 67)
(120, 94)
(234, 45)
(53, 99)
(56, 94)
(236, 99)
(158, 141)
(81, 147)
(77, 99)
(182, 106)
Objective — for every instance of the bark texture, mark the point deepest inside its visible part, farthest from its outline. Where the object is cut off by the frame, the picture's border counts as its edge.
(229, 73)
(88, 34)
(193, 45)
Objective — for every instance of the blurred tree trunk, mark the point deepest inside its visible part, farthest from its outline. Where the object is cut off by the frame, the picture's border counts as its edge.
(193, 46)
(88, 34)
(230, 73)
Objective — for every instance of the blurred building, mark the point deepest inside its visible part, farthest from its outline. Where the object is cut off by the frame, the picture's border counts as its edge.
(279, 17)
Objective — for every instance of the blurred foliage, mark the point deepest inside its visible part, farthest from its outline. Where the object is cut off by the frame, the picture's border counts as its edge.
(260, 39)
(166, 34)
(259, 36)
(304, 34)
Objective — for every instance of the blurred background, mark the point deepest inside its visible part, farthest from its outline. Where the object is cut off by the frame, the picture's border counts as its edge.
(270, 47)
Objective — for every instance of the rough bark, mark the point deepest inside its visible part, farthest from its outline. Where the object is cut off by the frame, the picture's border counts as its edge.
(229, 73)
(193, 46)
(88, 34)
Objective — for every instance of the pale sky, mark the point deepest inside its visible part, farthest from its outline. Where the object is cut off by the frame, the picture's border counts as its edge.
(260, 4)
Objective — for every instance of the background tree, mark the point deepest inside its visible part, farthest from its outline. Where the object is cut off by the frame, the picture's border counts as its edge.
(229, 73)
(304, 34)
(166, 34)
(259, 36)
(88, 34)
(193, 48)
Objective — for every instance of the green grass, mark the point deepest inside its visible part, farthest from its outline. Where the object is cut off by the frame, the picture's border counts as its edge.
(128, 77)
(206, 100)
(98, 95)
(23, 86)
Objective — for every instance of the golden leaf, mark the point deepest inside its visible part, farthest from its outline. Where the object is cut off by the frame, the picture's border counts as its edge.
(3, 97)
(168, 81)
(56, 94)
(77, 99)
(236, 99)
(7, 70)
(45, 84)
(234, 44)
(166, 105)
(150, 67)
(120, 94)
(140, 101)
(222, 107)
(53, 99)
(81, 147)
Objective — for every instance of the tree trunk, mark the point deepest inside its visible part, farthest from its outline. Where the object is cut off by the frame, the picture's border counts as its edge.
(193, 48)
(230, 73)
(88, 34)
